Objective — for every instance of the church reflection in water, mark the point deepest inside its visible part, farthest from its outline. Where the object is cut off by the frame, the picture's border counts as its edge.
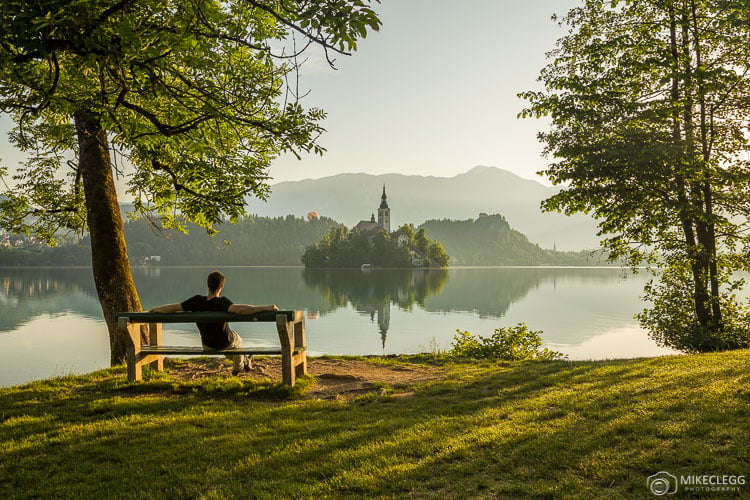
(382, 315)
(481, 292)
(373, 293)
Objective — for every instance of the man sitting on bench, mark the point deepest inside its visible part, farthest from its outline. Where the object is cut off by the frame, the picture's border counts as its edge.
(218, 335)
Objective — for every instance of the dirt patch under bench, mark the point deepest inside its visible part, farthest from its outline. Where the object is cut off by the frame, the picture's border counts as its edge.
(335, 378)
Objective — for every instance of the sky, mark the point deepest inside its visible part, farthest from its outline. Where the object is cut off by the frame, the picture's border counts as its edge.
(434, 92)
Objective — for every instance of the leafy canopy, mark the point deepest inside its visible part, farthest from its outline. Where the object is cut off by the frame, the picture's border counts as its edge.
(197, 95)
(648, 103)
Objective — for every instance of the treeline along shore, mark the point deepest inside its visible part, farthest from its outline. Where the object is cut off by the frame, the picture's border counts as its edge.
(281, 241)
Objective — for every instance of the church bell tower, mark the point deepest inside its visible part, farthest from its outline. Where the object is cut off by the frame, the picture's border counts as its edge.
(384, 214)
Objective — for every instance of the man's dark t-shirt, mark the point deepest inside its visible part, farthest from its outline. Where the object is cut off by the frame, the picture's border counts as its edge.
(213, 335)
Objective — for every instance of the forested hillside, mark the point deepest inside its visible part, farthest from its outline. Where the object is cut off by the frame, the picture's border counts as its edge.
(490, 241)
(281, 241)
(253, 241)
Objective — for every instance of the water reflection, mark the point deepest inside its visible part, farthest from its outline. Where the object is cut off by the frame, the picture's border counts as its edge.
(28, 293)
(585, 312)
(371, 293)
(489, 292)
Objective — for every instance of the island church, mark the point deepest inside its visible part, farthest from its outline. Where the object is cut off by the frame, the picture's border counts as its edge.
(384, 218)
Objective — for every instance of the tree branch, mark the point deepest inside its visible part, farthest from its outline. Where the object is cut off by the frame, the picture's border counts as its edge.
(315, 38)
(164, 129)
(157, 165)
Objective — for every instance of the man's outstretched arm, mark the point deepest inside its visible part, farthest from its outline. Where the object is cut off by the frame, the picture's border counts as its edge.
(249, 309)
(167, 308)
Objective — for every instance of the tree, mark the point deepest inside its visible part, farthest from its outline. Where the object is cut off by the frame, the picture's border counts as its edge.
(421, 241)
(196, 94)
(343, 248)
(408, 231)
(437, 254)
(648, 102)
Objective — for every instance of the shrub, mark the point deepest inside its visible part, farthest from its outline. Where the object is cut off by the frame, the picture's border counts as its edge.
(672, 322)
(514, 343)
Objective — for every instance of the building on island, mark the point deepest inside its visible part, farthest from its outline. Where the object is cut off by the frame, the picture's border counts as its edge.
(384, 214)
(384, 224)
(367, 225)
(384, 218)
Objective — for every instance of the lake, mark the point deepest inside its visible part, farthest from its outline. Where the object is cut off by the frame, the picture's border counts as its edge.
(51, 322)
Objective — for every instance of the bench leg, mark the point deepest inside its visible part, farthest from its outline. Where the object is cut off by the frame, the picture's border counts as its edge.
(155, 338)
(132, 349)
(286, 337)
(292, 337)
(135, 372)
(300, 345)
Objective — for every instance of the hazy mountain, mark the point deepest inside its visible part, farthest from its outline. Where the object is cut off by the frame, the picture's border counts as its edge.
(349, 198)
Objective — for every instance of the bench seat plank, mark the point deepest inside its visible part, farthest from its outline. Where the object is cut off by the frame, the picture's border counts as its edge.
(181, 349)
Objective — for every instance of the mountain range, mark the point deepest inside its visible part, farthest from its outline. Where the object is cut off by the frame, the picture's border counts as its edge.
(349, 198)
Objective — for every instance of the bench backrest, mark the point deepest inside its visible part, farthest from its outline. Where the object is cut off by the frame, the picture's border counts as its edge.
(203, 317)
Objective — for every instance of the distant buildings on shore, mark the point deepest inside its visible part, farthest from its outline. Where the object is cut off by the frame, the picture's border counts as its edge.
(19, 241)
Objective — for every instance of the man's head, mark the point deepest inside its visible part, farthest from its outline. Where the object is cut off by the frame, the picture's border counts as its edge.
(215, 281)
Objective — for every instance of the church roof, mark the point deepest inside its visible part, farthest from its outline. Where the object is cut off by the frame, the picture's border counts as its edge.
(366, 225)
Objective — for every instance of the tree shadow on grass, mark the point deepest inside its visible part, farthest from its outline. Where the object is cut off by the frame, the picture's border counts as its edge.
(529, 429)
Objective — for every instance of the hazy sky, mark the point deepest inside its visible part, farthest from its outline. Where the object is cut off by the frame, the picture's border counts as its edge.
(434, 92)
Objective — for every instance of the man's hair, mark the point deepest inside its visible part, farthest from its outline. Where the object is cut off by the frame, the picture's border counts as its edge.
(215, 280)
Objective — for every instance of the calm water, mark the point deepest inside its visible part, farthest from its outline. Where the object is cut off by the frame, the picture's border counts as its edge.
(50, 320)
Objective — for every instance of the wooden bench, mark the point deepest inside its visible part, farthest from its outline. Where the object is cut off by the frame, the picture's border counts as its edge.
(289, 324)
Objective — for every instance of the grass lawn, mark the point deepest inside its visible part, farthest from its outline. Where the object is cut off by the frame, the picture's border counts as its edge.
(555, 429)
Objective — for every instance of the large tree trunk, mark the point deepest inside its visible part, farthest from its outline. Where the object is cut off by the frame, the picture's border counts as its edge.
(683, 144)
(706, 139)
(109, 258)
